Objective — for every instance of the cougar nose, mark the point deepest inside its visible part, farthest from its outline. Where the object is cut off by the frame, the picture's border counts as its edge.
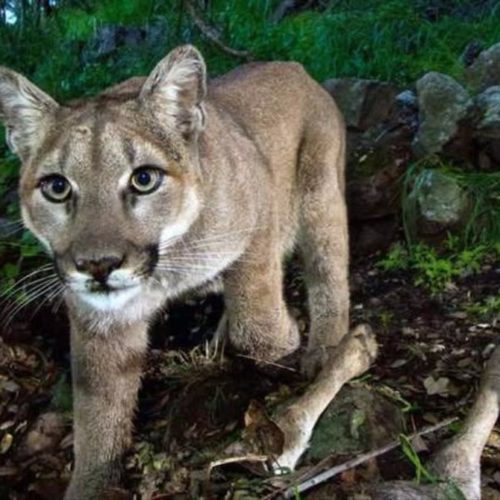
(99, 269)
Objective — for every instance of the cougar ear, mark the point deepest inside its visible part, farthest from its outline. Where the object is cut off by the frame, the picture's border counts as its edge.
(176, 88)
(25, 111)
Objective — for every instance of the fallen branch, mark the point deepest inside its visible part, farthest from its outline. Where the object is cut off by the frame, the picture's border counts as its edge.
(302, 485)
(212, 33)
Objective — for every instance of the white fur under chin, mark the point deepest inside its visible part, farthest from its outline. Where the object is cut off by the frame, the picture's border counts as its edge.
(110, 301)
(106, 312)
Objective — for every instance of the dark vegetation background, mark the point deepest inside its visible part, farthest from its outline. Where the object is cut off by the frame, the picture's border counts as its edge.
(432, 297)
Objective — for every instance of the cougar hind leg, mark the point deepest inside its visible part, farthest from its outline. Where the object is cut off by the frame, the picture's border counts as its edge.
(323, 242)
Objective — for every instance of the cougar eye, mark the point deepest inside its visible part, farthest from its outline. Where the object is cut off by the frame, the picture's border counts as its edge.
(145, 180)
(55, 188)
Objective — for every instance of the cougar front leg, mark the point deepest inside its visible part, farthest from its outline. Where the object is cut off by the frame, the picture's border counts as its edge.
(258, 321)
(106, 370)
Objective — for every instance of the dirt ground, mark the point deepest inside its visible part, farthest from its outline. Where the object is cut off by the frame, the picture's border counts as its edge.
(192, 404)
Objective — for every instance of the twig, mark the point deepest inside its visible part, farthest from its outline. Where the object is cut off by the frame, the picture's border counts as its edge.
(213, 34)
(305, 485)
(270, 363)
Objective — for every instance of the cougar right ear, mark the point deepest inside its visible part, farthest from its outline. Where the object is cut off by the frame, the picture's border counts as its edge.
(25, 111)
(176, 88)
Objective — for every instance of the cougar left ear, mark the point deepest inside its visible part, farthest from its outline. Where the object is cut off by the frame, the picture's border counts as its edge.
(25, 111)
(176, 88)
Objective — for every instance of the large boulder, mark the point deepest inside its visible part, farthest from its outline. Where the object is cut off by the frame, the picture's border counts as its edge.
(364, 103)
(484, 72)
(443, 103)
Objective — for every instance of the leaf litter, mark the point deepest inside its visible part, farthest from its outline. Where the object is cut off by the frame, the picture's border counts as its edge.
(195, 406)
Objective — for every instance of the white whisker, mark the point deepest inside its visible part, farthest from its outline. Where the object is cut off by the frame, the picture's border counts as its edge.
(37, 292)
(22, 282)
(59, 287)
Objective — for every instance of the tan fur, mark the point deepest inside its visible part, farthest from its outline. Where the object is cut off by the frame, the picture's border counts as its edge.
(254, 167)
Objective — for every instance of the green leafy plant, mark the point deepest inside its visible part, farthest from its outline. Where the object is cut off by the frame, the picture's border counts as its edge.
(431, 270)
(397, 258)
(487, 310)
(435, 269)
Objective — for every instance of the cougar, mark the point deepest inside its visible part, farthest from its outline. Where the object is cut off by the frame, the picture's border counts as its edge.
(165, 184)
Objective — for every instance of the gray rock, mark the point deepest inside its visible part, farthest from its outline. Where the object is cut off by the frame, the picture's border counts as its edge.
(443, 102)
(488, 113)
(441, 200)
(484, 72)
(358, 419)
(407, 98)
(364, 103)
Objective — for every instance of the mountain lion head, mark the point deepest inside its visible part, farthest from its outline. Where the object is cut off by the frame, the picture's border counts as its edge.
(107, 183)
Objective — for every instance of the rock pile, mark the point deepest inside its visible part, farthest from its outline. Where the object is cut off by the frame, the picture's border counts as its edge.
(391, 128)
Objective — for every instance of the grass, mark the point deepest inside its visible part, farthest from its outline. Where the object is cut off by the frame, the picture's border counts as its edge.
(389, 40)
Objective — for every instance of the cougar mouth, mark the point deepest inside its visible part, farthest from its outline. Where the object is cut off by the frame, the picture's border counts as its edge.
(115, 292)
(111, 299)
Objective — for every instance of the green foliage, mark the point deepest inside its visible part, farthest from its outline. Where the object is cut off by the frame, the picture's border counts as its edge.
(486, 310)
(16, 245)
(421, 472)
(389, 40)
(424, 475)
(396, 259)
(450, 491)
(432, 269)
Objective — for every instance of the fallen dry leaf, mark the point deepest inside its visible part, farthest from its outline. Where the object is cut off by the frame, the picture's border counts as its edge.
(6, 443)
(436, 386)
